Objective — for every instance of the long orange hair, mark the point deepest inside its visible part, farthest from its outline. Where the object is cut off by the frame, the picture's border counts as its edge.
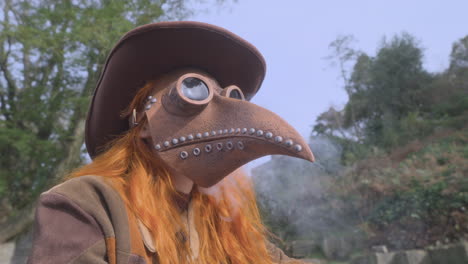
(227, 219)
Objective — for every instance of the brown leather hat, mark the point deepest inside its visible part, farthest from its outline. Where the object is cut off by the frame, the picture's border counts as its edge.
(148, 51)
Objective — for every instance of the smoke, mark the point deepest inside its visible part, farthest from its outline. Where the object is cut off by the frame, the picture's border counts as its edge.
(293, 191)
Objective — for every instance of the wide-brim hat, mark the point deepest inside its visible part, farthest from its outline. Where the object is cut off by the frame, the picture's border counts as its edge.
(149, 51)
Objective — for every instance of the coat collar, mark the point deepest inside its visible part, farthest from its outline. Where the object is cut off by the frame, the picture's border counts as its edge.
(190, 224)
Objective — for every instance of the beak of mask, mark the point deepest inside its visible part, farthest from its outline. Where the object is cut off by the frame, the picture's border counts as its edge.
(205, 132)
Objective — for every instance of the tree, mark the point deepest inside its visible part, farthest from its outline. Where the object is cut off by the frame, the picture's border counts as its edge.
(458, 70)
(330, 123)
(51, 53)
(459, 55)
(342, 55)
(397, 85)
(381, 89)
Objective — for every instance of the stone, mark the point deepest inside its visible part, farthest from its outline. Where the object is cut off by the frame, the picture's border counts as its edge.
(400, 257)
(380, 249)
(6, 252)
(314, 261)
(368, 259)
(302, 248)
(337, 248)
(403, 257)
(464, 244)
(375, 258)
(417, 257)
(452, 253)
(385, 258)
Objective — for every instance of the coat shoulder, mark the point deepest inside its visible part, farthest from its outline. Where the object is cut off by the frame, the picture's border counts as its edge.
(96, 196)
(81, 215)
(82, 188)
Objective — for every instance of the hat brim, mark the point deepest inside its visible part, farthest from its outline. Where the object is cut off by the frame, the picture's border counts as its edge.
(149, 51)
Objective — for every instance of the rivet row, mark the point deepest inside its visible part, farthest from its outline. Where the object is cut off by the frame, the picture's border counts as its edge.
(252, 131)
(208, 148)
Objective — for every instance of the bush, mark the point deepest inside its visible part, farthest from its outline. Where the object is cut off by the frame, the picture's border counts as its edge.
(410, 200)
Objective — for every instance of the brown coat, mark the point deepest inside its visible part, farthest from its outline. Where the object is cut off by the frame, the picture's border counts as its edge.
(84, 220)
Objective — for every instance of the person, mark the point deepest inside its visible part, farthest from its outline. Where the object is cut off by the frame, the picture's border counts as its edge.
(169, 128)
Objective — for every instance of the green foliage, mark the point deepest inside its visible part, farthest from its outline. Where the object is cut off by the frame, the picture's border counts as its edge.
(392, 86)
(393, 100)
(25, 148)
(412, 196)
(420, 202)
(459, 55)
(51, 53)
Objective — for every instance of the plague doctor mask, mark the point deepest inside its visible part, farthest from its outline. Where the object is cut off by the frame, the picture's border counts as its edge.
(200, 120)
(204, 132)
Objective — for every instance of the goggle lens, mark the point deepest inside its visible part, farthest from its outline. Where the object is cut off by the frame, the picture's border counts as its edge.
(194, 89)
(235, 94)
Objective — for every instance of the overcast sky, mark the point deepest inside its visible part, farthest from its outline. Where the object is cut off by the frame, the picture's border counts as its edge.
(294, 36)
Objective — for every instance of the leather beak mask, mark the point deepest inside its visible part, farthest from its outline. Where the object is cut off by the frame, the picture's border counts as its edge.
(204, 132)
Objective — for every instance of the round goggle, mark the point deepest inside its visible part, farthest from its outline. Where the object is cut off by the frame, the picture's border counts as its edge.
(197, 89)
(192, 92)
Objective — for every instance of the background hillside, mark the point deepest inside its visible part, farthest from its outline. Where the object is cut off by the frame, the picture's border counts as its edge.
(391, 165)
